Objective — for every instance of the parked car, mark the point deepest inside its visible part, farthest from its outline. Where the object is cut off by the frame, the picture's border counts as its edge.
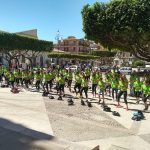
(73, 67)
(105, 68)
(95, 68)
(144, 70)
(125, 70)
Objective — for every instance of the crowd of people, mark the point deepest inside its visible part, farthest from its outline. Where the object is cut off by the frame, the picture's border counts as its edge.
(110, 83)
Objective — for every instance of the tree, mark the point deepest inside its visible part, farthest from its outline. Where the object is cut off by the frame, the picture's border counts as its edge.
(138, 63)
(13, 46)
(119, 24)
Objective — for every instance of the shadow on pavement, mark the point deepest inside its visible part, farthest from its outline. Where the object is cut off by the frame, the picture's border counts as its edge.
(18, 137)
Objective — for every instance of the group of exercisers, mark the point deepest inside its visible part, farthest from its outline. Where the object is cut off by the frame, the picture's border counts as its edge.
(111, 83)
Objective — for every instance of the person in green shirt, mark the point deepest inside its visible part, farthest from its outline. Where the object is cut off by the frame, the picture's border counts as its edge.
(137, 85)
(133, 78)
(123, 86)
(52, 75)
(146, 93)
(46, 79)
(78, 80)
(84, 86)
(1, 73)
(61, 82)
(11, 79)
(19, 77)
(101, 86)
(38, 78)
(26, 78)
(57, 82)
(114, 86)
(69, 79)
(108, 78)
(87, 73)
(6, 76)
(94, 80)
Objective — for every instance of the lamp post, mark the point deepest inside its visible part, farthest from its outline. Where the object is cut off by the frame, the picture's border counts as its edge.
(57, 38)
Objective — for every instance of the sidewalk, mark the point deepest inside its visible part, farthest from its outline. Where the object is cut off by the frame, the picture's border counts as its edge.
(25, 124)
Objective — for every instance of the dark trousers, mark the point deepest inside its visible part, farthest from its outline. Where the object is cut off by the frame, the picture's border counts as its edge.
(125, 96)
(85, 89)
(108, 87)
(77, 86)
(27, 82)
(69, 83)
(114, 91)
(37, 84)
(61, 88)
(45, 85)
(50, 83)
(145, 98)
(11, 83)
(17, 80)
(94, 86)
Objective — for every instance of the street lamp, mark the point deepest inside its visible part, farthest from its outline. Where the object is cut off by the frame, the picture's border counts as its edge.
(58, 38)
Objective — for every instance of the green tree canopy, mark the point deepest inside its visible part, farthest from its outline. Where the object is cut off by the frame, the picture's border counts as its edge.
(12, 42)
(120, 24)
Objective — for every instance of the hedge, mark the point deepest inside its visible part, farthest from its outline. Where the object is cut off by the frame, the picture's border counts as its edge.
(74, 56)
(11, 41)
(103, 53)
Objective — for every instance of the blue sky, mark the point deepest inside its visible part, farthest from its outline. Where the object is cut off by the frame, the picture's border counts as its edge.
(45, 15)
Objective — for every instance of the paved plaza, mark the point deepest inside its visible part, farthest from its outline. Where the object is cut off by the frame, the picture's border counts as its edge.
(29, 121)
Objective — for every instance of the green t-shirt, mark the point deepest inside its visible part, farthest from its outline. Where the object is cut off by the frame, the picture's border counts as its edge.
(69, 76)
(146, 89)
(84, 83)
(1, 71)
(133, 78)
(94, 79)
(115, 83)
(38, 77)
(61, 80)
(46, 76)
(101, 85)
(78, 79)
(137, 86)
(123, 85)
(11, 77)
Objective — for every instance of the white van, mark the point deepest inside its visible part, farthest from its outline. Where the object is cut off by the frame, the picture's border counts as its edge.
(125, 70)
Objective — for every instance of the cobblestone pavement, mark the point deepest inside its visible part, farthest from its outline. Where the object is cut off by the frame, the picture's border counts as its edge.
(80, 123)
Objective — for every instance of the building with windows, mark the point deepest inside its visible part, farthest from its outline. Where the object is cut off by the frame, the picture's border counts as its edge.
(124, 59)
(72, 44)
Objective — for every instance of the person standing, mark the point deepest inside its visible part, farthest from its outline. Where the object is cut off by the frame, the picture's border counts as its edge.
(78, 81)
(94, 80)
(38, 78)
(146, 93)
(11, 79)
(61, 81)
(123, 86)
(101, 85)
(114, 85)
(84, 86)
(69, 79)
(137, 85)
